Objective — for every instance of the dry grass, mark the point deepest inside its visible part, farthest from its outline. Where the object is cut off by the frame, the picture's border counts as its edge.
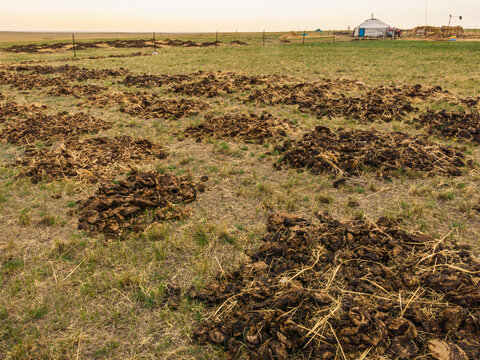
(65, 294)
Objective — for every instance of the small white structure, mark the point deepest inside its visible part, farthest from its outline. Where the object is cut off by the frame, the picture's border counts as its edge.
(371, 28)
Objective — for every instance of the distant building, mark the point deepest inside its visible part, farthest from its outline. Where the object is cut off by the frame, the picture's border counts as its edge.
(371, 28)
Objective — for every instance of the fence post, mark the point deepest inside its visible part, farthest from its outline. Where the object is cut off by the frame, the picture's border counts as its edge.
(154, 44)
(333, 35)
(216, 39)
(73, 41)
(304, 32)
(263, 37)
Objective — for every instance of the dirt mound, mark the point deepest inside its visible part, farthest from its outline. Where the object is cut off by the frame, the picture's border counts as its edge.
(89, 160)
(45, 127)
(29, 81)
(77, 91)
(290, 35)
(318, 289)
(147, 106)
(461, 126)
(417, 92)
(238, 42)
(149, 80)
(250, 127)
(353, 152)
(12, 109)
(116, 208)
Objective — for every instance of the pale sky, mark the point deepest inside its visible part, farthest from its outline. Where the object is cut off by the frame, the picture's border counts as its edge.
(224, 15)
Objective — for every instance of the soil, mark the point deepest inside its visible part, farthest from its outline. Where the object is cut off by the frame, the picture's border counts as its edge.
(248, 127)
(45, 127)
(12, 109)
(460, 126)
(319, 288)
(147, 106)
(353, 152)
(77, 91)
(89, 160)
(116, 208)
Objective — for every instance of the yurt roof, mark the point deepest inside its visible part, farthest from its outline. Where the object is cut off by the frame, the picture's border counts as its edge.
(373, 24)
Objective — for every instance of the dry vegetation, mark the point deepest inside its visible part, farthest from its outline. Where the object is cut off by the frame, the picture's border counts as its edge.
(240, 201)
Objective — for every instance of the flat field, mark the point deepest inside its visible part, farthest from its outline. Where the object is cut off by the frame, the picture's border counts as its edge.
(120, 289)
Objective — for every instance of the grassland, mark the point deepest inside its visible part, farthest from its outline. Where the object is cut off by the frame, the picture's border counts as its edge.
(65, 294)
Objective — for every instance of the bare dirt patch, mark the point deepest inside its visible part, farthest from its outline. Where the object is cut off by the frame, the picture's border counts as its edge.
(45, 127)
(315, 289)
(116, 208)
(354, 152)
(89, 160)
(147, 106)
(248, 127)
(461, 126)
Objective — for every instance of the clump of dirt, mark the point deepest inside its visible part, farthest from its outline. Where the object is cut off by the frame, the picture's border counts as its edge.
(76, 90)
(317, 289)
(116, 208)
(148, 106)
(353, 152)
(12, 109)
(321, 99)
(89, 160)
(29, 81)
(45, 127)
(461, 126)
(249, 127)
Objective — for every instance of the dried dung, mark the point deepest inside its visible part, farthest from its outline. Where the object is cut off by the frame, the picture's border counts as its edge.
(460, 126)
(89, 160)
(12, 109)
(325, 289)
(69, 72)
(29, 81)
(353, 152)
(249, 127)
(44, 127)
(147, 106)
(76, 90)
(116, 208)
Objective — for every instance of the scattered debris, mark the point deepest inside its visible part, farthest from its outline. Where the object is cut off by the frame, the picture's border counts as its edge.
(460, 126)
(89, 160)
(317, 289)
(116, 208)
(45, 127)
(353, 152)
(249, 127)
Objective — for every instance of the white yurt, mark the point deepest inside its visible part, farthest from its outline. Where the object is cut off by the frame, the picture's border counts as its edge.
(371, 28)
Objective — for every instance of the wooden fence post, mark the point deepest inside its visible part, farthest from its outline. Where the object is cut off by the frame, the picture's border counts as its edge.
(74, 50)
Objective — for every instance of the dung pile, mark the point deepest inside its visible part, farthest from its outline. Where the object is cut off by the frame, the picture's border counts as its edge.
(249, 127)
(89, 160)
(69, 72)
(417, 92)
(148, 106)
(149, 80)
(44, 127)
(76, 90)
(461, 126)
(353, 152)
(29, 81)
(328, 290)
(321, 99)
(116, 208)
(12, 109)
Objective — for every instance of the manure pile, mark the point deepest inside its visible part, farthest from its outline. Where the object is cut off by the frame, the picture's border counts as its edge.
(461, 126)
(28, 81)
(353, 152)
(89, 160)
(329, 290)
(69, 72)
(12, 109)
(116, 208)
(147, 106)
(44, 127)
(76, 90)
(249, 127)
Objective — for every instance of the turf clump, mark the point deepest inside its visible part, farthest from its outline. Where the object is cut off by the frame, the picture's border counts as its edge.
(325, 289)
